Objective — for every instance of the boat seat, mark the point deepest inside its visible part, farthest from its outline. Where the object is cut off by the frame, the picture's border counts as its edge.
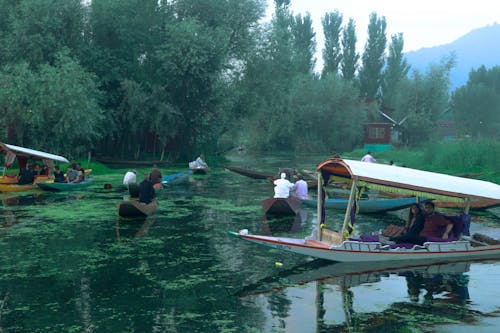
(331, 237)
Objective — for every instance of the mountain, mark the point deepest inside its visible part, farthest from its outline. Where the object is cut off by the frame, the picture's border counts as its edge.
(478, 47)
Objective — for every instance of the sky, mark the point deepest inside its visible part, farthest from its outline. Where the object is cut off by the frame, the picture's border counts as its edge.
(424, 23)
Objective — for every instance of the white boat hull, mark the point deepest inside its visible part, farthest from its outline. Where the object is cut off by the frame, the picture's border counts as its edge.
(355, 251)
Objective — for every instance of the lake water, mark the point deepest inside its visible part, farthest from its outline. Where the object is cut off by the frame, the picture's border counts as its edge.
(68, 263)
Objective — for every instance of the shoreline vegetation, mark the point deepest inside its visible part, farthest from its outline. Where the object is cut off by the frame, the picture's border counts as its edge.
(459, 157)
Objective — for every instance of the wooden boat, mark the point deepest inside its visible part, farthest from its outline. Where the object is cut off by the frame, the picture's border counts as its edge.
(58, 187)
(176, 178)
(340, 246)
(134, 208)
(281, 206)
(250, 173)
(199, 170)
(8, 182)
(366, 206)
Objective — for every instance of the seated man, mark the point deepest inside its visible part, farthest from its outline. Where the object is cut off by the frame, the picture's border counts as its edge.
(282, 187)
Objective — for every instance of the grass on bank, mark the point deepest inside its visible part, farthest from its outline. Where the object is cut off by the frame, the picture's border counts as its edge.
(450, 157)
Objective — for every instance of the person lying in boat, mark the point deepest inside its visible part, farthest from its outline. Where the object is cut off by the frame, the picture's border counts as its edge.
(71, 175)
(59, 175)
(436, 228)
(199, 162)
(146, 190)
(282, 187)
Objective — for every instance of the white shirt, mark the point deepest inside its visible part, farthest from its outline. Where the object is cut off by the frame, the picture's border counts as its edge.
(282, 188)
(300, 190)
(368, 158)
(129, 178)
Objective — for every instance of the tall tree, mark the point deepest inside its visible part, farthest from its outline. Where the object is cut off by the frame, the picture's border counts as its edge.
(304, 44)
(396, 70)
(350, 58)
(373, 59)
(332, 53)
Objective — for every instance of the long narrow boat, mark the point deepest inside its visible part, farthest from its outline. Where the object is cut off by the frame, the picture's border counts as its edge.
(8, 182)
(134, 208)
(250, 173)
(176, 178)
(366, 206)
(342, 246)
(58, 187)
(281, 206)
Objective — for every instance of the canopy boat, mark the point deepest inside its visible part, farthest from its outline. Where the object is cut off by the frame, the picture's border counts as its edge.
(281, 206)
(341, 246)
(367, 206)
(134, 208)
(8, 182)
(176, 178)
(58, 187)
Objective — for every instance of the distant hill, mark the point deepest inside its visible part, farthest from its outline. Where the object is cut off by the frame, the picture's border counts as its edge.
(478, 47)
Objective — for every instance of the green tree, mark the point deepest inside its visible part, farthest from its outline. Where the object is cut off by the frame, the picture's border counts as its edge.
(423, 101)
(17, 83)
(350, 58)
(35, 30)
(476, 106)
(304, 44)
(396, 70)
(332, 52)
(66, 102)
(373, 59)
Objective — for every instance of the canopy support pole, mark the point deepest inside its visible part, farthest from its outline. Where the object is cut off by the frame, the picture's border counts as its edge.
(352, 197)
(319, 205)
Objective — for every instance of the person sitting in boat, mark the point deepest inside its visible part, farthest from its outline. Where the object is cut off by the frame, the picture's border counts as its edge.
(71, 175)
(437, 228)
(26, 176)
(199, 162)
(155, 175)
(282, 187)
(130, 177)
(300, 189)
(146, 190)
(81, 172)
(59, 175)
(413, 227)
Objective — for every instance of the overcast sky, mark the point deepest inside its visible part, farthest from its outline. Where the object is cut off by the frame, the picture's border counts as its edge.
(424, 23)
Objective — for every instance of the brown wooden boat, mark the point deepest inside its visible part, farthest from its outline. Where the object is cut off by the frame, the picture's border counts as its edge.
(250, 173)
(134, 208)
(475, 204)
(281, 206)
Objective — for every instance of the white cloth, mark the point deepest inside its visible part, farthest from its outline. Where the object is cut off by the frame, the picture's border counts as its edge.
(368, 158)
(129, 177)
(282, 188)
(198, 163)
(300, 190)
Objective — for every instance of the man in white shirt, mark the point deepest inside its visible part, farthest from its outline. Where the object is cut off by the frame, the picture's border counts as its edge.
(368, 158)
(130, 177)
(282, 187)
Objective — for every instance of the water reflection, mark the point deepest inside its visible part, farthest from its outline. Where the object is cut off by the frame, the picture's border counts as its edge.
(134, 227)
(278, 224)
(366, 295)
